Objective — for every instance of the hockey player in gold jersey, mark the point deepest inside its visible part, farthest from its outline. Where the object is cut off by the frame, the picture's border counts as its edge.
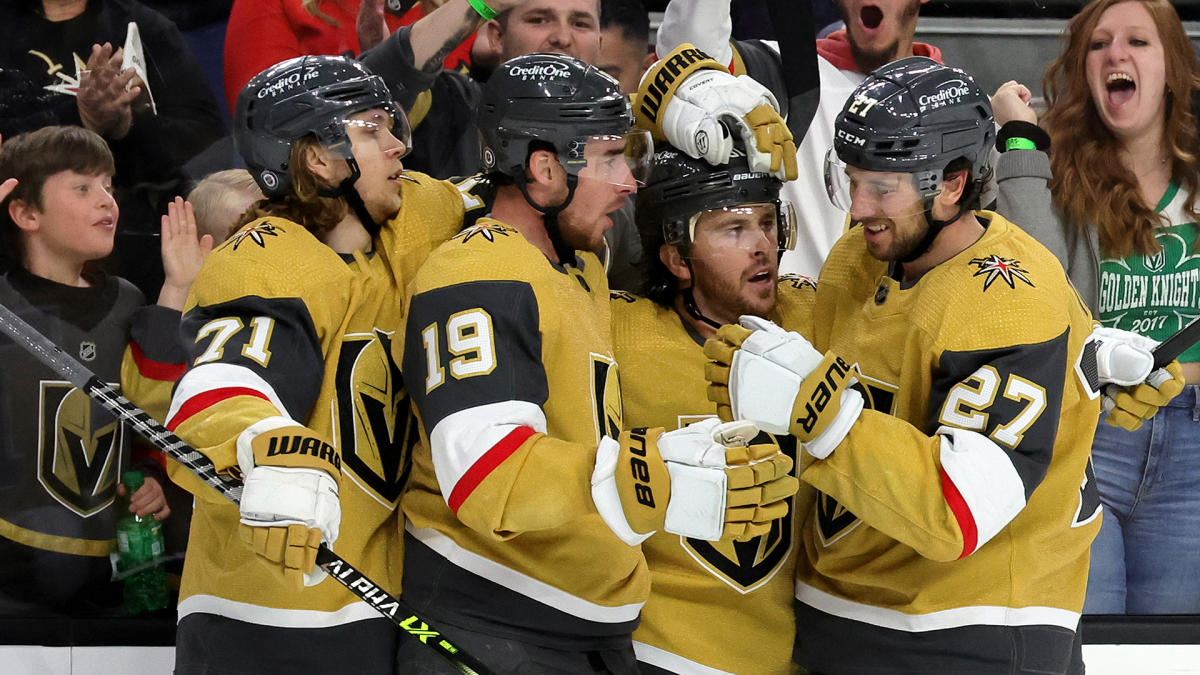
(291, 384)
(945, 400)
(527, 511)
(714, 236)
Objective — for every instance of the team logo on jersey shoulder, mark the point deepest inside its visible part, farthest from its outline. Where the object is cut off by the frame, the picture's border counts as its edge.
(747, 565)
(622, 295)
(79, 449)
(257, 234)
(488, 231)
(797, 281)
(994, 267)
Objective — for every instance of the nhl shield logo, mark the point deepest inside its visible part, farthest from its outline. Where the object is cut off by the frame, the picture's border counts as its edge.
(87, 351)
(79, 449)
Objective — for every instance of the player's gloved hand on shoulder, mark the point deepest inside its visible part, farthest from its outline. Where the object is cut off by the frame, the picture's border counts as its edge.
(705, 481)
(776, 379)
(289, 496)
(1127, 407)
(693, 102)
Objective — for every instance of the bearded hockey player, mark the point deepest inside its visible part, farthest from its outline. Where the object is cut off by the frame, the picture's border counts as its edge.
(714, 235)
(941, 399)
(527, 512)
(291, 384)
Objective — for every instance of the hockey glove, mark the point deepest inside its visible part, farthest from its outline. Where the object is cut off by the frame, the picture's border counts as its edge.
(703, 481)
(1128, 407)
(691, 101)
(1122, 357)
(289, 496)
(776, 379)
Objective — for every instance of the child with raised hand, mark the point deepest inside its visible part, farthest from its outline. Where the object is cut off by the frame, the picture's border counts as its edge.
(62, 453)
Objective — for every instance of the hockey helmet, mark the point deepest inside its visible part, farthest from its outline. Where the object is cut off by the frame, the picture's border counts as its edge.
(912, 116)
(305, 95)
(563, 102)
(681, 189)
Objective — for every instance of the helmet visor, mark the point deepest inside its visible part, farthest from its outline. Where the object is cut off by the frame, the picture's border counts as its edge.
(618, 159)
(864, 194)
(768, 226)
(379, 129)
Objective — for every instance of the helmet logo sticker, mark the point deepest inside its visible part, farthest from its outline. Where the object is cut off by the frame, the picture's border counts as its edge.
(269, 179)
(87, 351)
(539, 71)
(851, 138)
(951, 92)
(489, 158)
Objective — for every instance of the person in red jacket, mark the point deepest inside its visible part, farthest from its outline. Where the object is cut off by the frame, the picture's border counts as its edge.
(262, 33)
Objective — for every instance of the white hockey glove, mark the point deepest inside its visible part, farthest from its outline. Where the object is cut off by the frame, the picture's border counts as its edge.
(691, 101)
(703, 481)
(289, 496)
(1122, 357)
(1132, 393)
(776, 379)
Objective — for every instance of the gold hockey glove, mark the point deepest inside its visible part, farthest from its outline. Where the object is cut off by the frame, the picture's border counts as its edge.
(1128, 407)
(776, 379)
(693, 102)
(290, 495)
(703, 481)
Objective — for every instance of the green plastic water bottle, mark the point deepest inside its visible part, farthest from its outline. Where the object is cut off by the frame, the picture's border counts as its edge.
(139, 545)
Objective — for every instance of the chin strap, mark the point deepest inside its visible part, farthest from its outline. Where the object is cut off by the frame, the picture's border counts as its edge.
(936, 226)
(565, 253)
(346, 190)
(689, 300)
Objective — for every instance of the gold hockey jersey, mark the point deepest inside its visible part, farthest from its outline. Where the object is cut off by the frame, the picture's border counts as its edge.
(961, 506)
(284, 325)
(510, 365)
(714, 607)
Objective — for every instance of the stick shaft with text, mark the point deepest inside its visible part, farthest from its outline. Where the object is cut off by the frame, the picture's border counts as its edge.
(152, 430)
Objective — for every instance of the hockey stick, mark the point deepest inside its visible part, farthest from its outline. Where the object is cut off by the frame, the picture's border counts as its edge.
(1172, 347)
(368, 591)
(793, 21)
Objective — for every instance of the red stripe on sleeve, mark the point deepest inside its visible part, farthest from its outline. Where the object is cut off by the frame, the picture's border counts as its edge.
(155, 370)
(486, 464)
(201, 401)
(962, 513)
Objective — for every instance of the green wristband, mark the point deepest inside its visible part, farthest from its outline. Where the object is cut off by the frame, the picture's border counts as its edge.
(482, 9)
(1016, 143)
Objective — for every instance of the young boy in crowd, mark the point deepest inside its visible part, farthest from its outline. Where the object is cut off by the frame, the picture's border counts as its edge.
(63, 455)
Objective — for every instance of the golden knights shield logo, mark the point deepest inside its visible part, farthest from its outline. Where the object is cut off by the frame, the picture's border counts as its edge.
(606, 397)
(79, 449)
(376, 427)
(747, 565)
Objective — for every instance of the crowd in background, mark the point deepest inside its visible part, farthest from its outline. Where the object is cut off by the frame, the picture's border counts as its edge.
(1105, 171)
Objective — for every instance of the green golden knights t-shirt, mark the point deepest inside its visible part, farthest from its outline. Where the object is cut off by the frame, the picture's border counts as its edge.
(1159, 293)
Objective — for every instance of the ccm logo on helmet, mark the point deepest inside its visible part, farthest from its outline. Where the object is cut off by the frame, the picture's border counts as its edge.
(851, 138)
(541, 71)
(639, 468)
(953, 92)
(835, 376)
